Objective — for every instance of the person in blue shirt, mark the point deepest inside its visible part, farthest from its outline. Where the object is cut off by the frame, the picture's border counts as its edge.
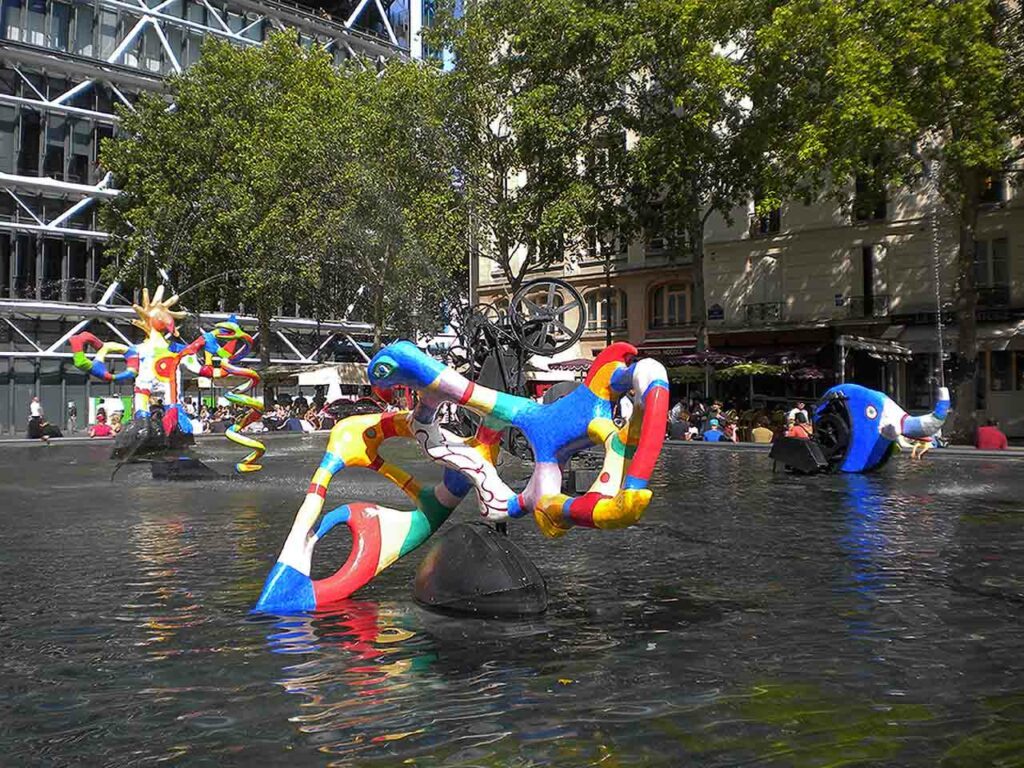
(713, 434)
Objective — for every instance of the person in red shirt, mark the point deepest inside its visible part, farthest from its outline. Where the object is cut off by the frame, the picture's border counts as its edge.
(801, 428)
(990, 437)
(100, 428)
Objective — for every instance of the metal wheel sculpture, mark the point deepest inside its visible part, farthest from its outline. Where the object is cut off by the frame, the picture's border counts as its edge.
(545, 316)
(540, 313)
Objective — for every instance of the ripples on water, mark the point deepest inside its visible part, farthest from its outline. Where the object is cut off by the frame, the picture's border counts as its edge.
(753, 618)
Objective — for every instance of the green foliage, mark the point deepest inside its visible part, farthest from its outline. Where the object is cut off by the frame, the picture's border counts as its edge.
(219, 181)
(398, 220)
(538, 101)
(880, 87)
(549, 91)
(751, 369)
(699, 148)
(889, 90)
(303, 181)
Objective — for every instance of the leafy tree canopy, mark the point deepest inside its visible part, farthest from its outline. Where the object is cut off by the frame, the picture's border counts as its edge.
(295, 180)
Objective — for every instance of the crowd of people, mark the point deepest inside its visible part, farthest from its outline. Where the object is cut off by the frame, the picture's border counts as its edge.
(696, 418)
(713, 420)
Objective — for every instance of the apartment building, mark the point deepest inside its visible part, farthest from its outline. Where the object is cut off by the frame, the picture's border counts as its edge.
(842, 292)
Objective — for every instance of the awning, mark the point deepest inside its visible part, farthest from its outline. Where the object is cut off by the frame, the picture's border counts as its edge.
(665, 348)
(799, 354)
(877, 348)
(575, 364)
(338, 373)
(995, 337)
(810, 373)
(710, 357)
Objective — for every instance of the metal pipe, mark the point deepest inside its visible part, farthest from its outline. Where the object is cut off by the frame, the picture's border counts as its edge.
(63, 109)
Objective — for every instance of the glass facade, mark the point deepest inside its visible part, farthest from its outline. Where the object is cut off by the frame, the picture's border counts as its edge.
(66, 64)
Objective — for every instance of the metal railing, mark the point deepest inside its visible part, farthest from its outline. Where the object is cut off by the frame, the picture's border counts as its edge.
(993, 296)
(763, 313)
(867, 306)
(595, 324)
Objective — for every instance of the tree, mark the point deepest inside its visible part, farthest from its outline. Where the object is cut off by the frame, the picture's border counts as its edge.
(218, 183)
(699, 150)
(295, 180)
(397, 224)
(891, 89)
(538, 108)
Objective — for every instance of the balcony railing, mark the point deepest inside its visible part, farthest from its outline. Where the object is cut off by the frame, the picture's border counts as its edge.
(763, 313)
(599, 325)
(867, 306)
(993, 296)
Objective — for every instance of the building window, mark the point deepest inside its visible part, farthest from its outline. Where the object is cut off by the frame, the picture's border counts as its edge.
(1001, 371)
(656, 233)
(992, 271)
(768, 222)
(869, 198)
(670, 305)
(596, 309)
(8, 128)
(662, 241)
(611, 246)
(993, 190)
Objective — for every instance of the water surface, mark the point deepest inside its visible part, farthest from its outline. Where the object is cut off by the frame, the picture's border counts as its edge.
(751, 619)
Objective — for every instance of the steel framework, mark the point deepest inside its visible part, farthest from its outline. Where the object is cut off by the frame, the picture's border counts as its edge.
(298, 341)
(123, 68)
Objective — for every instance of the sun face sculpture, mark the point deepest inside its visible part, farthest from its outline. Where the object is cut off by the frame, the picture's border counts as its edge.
(156, 314)
(155, 366)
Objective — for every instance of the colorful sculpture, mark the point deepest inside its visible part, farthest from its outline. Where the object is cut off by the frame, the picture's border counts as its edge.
(155, 362)
(221, 350)
(555, 432)
(857, 426)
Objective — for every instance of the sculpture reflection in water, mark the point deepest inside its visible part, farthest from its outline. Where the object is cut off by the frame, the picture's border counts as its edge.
(555, 432)
(154, 366)
(368, 676)
(855, 430)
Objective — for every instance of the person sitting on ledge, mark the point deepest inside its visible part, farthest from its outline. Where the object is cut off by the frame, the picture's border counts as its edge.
(761, 433)
(801, 429)
(714, 432)
(101, 428)
(990, 437)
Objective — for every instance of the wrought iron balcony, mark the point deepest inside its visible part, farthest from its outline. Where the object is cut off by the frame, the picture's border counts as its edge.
(596, 324)
(990, 296)
(867, 306)
(764, 313)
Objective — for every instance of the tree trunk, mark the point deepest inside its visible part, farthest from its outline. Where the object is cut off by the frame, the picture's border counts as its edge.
(964, 399)
(263, 323)
(378, 317)
(263, 326)
(699, 311)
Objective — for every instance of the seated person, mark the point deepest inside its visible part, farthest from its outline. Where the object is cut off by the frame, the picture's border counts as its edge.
(714, 432)
(761, 433)
(801, 428)
(40, 429)
(312, 419)
(101, 428)
(990, 437)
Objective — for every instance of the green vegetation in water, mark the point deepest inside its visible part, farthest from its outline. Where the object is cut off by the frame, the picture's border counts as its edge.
(999, 742)
(801, 725)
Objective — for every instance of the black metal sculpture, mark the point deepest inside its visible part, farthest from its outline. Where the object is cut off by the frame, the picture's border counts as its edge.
(544, 317)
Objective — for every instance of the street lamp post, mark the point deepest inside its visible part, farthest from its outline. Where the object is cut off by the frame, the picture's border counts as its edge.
(607, 295)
